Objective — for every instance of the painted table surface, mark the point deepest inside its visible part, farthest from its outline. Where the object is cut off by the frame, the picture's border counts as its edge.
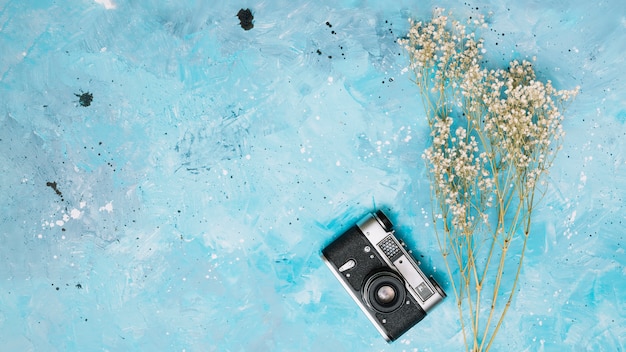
(168, 178)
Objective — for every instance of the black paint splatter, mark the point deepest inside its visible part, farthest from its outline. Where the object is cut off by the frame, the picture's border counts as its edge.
(84, 99)
(245, 19)
(53, 185)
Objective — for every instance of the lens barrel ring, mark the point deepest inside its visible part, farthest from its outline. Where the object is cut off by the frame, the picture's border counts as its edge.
(384, 291)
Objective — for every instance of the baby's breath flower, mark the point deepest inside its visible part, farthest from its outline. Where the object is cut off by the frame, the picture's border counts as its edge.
(494, 135)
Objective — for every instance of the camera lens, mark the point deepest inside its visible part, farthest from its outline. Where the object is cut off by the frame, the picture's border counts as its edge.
(384, 291)
(386, 294)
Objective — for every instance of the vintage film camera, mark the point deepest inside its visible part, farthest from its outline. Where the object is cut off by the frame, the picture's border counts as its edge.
(381, 276)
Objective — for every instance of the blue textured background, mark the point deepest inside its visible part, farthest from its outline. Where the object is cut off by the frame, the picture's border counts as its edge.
(213, 164)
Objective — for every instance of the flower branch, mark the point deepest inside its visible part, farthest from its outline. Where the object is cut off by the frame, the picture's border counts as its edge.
(495, 134)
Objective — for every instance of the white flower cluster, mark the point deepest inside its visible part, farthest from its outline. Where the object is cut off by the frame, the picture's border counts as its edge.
(523, 116)
(507, 123)
(442, 50)
(458, 172)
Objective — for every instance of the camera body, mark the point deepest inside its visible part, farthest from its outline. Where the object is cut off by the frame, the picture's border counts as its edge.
(381, 276)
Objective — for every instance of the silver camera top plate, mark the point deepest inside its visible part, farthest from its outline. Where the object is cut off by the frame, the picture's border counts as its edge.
(394, 254)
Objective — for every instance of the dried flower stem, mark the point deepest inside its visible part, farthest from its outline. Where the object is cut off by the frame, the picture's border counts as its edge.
(494, 135)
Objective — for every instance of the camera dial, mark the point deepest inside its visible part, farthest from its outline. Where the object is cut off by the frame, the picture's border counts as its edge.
(437, 287)
(384, 220)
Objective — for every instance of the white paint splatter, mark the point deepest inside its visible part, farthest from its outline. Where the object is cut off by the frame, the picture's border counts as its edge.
(108, 4)
(583, 180)
(108, 207)
(75, 213)
(572, 217)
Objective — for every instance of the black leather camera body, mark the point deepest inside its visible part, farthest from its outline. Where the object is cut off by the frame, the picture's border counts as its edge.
(381, 276)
